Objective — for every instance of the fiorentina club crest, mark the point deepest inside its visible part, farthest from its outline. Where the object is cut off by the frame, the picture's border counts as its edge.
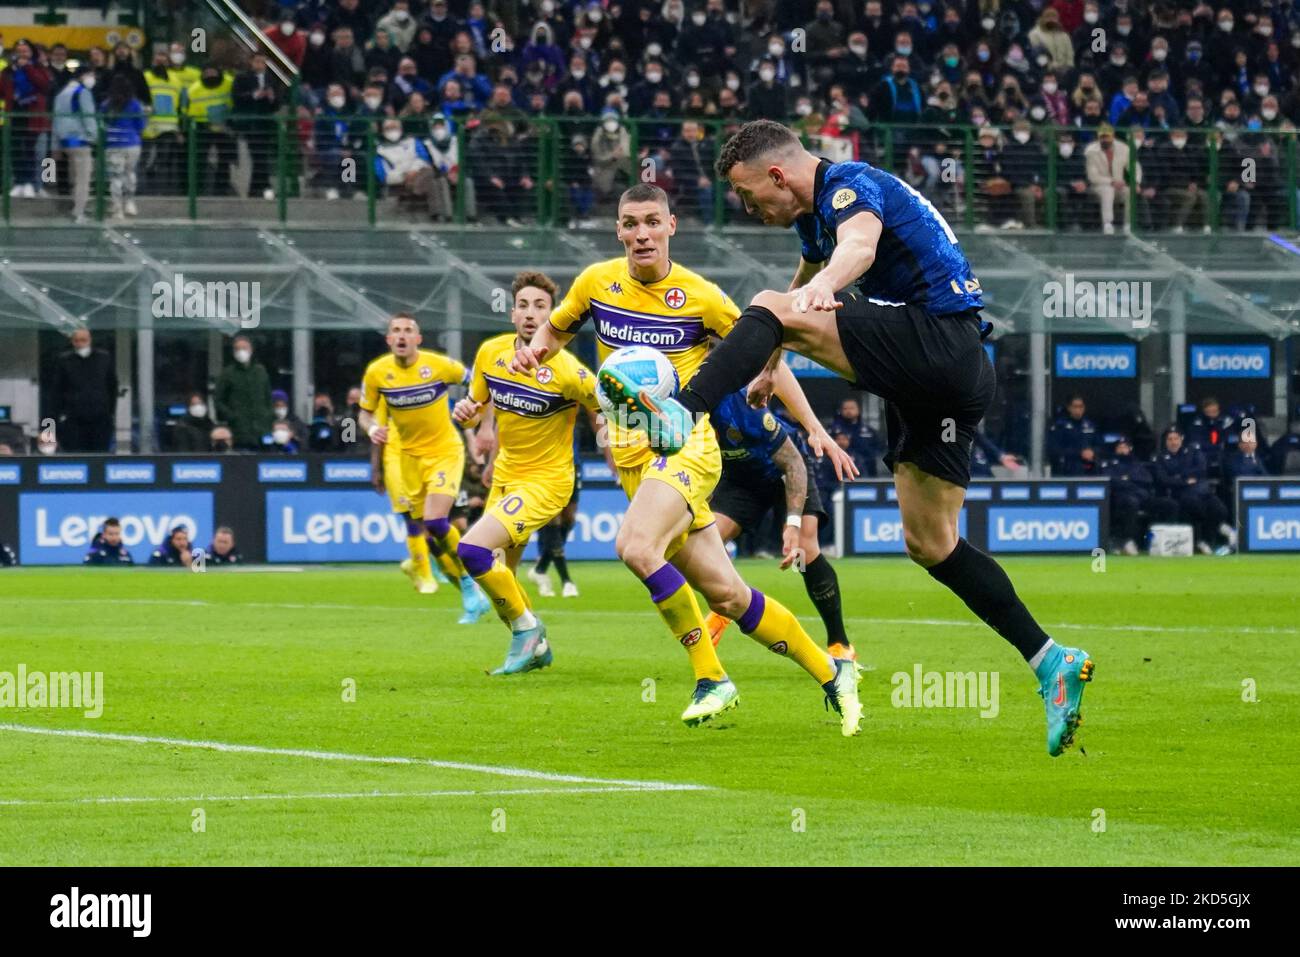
(674, 298)
(545, 375)
(425, 372)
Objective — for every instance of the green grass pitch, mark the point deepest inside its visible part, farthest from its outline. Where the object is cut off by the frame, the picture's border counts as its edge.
(1178, 769)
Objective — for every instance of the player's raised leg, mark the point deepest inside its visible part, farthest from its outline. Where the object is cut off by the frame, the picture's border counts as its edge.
(703, 561)
(657, 519)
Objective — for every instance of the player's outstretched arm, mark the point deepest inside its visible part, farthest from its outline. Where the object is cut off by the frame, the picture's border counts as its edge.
(547, 341)
(856, 240)
(791, 394)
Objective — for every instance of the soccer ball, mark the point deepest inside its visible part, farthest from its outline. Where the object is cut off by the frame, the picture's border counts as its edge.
(647, 367)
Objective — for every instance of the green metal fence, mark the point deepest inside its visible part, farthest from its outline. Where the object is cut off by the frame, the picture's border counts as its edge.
(508, 166)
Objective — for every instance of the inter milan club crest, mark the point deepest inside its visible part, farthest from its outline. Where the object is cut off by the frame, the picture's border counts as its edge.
(545, 375)
(674, 298)
(425, 372)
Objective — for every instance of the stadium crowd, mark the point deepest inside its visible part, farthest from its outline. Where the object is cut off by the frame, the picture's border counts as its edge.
(1124, 95)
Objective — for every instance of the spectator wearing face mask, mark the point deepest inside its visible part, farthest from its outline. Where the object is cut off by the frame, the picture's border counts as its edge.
(766, 99)
(221, 440)
(193, 430)
(316, 60)
(333, 134)
(642, 96)
(1024, 164)
(858, 69)
(1267, 191)
(1072, 197)
(398, 24)
(709, 41)
(581, 81)
(282, 412)
(84, 394)
(823, 34)
(175, 551)
(1180, 169)
(444, 154)
(210, 103)
(897, 98)
(243, 397)
(106, 548)
(323, 432)
(408, 81)
(611, 149)
(76, 132)
(289, 39)
(403, 165)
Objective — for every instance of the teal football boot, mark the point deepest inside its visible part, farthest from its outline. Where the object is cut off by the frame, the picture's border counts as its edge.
(1062, 675)
(666, 422)
(529, 651)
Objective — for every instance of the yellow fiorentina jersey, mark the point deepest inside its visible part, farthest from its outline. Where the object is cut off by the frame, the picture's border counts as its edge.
(534, 411)
(416, 397)
(676, 315)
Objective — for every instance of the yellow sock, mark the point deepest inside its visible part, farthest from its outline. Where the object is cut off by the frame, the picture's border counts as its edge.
(503, 588)
(419, 551)
(681, 614)
(449, 561)
(450, 566)
(777, 629)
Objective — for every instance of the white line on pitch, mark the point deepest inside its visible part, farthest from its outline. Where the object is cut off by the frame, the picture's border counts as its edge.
(327, 796)
(499, 770)
(601, 612)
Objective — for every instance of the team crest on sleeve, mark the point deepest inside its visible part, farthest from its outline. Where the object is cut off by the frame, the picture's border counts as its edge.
(545, 375)
(426, 372)
(733, 435)
(842, 198)
(769, 422)
(675, 298)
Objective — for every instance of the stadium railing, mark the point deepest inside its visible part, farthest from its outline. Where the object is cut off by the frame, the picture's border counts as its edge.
(556, 171)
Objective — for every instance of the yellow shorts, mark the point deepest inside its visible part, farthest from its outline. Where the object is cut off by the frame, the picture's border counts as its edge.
(425, 475)
(693, 472)
(524, 507)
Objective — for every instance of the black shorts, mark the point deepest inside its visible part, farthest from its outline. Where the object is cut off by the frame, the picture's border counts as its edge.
(746, 502)
(933, 373)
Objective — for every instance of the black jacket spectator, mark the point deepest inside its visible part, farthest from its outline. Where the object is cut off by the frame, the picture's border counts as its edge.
(84, 397)
(1067, 441)
(102, 553)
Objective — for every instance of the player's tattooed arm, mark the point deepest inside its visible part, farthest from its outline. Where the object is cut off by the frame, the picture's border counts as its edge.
(856, 240)
(795, 474)
(791, 394)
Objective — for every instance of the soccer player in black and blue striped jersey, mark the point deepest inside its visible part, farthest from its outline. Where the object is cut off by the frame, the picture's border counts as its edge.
(884, 296)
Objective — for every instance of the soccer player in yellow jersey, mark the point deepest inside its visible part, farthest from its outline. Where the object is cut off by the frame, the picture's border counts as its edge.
(532, 474)
(668, 537)
(412, 384)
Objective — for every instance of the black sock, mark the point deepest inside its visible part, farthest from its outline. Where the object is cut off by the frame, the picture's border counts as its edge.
(981, 583)
(734, 361)
(561, 566)
(545, 545)
(823, 587)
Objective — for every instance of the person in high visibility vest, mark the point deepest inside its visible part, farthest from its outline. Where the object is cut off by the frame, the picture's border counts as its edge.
(208, 108)
(186, 75)
(163, 140)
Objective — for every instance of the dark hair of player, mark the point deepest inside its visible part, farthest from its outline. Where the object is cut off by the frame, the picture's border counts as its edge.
(112, 523)
(753, 140)
(402, 315)
(538, 280)
(644, 193)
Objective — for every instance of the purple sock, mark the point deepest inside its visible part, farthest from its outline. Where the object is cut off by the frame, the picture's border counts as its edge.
(754, 613)
(438, 527)
(663, 581)
(413, 528)
(476, 559)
